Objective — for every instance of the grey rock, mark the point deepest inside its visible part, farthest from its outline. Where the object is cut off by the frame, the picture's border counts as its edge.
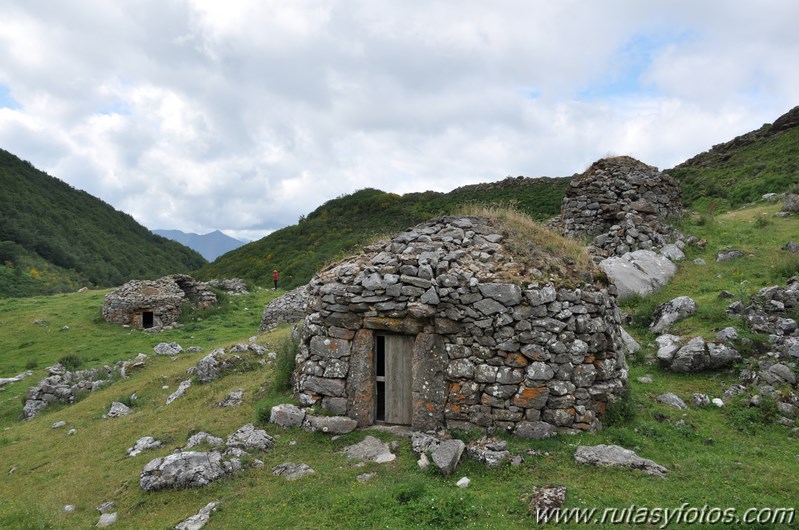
(330, 424)
(106, 507)
(365, 477)
(118, 409)
(535, 430)
(287, 415)
(292, 471)
(700, 400)
(672, 252)
(641, 272)
(491, 452)
(187, 469)
(106, 519)
(233, 399)
(204, 438)
(507, 294)
(463, 482)
(730, 255)
(699, 261)
(791, 203)
(447, 455)
(545, 502)
(539, 371)
(179, 392)
(248, 437)
(422, 442)
(668, 345)
(370, 449)
(58, 424)
(673, 400)
(168, 348)
(645, 379)
(791, 247)
(630, 344)
(200, 519)
(145, 443)
(616, 456)
(672, 311)
(727, 334)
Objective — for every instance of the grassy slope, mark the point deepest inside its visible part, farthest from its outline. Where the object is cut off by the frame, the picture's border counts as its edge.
(741, 170)
(342, 224)
(53, 237)
(710, 461)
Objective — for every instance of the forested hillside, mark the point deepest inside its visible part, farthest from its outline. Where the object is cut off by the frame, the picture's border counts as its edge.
(340, 225)
(54, 237)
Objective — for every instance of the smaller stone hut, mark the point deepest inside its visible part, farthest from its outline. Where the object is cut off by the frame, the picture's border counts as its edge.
(155, 304)
(623, 204)
(461, 323)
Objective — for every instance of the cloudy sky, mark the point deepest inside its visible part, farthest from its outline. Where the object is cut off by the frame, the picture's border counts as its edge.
(241, 115)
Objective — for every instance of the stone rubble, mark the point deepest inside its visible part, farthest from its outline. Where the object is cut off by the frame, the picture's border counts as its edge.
(695, 356)
(237, 358)
(118, 409)
(672, 400)
(545, 501)
(233, 399)
(63, 386)
(19, 377)
(168, 348)
(231, 286)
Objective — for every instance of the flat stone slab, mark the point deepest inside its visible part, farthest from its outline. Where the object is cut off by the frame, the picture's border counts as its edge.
(292, 471)
(146, 443)
(330, 424)
(187, 469)
(447, 455)
(248, 437)
(195, 522)
(372, 449)
(616, 456)
(287, 415)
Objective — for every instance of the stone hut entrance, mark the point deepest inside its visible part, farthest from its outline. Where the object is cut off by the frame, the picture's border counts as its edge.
(393, 378)
(147, 319)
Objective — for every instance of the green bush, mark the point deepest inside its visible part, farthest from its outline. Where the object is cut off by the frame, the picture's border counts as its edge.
(622, 411)
(71, 362)
(285, 363)
(750, 419)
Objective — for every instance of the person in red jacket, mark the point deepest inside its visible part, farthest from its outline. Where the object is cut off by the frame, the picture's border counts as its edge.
(274, 278)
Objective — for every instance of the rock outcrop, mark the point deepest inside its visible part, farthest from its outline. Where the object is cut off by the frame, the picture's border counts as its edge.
(616, 456)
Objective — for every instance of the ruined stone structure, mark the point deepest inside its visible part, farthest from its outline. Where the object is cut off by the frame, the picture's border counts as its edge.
(444, 327)
(285, 309)
(154, 304)
(622, 204)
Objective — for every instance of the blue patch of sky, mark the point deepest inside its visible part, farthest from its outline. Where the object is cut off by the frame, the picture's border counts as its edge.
(6, 99)
(115, 107)
(623, 76)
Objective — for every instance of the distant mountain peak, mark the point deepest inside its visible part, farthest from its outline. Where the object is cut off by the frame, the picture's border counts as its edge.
(210, 245)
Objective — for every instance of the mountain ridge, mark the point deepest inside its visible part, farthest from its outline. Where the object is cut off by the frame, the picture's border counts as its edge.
(210, 245)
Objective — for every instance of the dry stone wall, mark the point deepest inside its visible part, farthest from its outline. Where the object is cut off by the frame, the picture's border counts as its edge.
(622, 204)
(487, 352)
(286, 309)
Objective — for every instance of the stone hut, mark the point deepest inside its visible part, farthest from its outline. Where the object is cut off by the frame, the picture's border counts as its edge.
(154, 304)
(460, 323)
(622, 203)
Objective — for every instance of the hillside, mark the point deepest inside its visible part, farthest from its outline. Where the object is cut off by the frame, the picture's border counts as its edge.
(745, 168)
(734, 457)
(54, 237)
(210, 246)
(340, 225)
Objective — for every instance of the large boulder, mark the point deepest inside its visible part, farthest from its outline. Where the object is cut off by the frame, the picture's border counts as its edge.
(697, 355)
(641, 272)
(287, 415)
(791, 203)
(370, 449)
(187, 469)
(248, 437)
(447, 455)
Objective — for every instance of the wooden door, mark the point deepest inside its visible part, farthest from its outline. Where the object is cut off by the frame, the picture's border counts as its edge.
(399, 369)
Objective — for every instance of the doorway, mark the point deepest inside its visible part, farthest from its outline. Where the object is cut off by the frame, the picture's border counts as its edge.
(394, 378)
(147, 319)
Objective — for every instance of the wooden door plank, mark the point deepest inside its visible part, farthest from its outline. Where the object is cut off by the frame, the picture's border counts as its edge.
(399, 363)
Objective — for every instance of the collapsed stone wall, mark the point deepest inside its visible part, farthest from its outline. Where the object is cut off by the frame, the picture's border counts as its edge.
(285, 309)
(163, 298)
(490, 350)
(622, 203)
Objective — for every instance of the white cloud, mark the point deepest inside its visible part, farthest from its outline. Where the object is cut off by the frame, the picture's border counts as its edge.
(243, 115)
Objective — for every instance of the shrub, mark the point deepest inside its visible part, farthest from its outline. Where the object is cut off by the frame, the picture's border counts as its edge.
(31, 364)
(749, 419)
(762, 221)
(621, 411)
(285, 362)
(71, 362)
